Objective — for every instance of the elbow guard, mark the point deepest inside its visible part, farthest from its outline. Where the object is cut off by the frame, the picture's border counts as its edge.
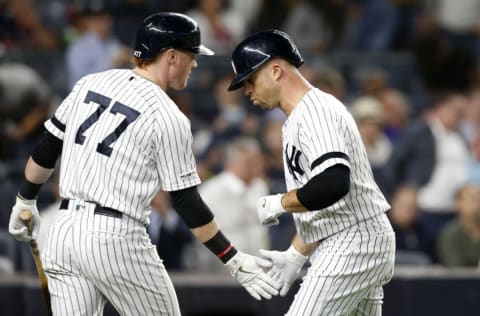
(47, 150)
(191, 208)
(325, 188)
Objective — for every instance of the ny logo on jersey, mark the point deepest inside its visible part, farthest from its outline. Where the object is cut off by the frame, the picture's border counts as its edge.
(293, 161)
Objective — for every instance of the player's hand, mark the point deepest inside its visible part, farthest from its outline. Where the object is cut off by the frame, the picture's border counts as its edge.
(17, 227)
(251, 276)
(286, 266)
(269, 208)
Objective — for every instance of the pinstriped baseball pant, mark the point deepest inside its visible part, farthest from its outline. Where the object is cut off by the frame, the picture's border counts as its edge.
(91, 259)
(347, 272)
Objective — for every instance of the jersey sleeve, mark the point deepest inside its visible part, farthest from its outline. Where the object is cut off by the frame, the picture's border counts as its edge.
(56, 125)
(175, 160)
(322, 137)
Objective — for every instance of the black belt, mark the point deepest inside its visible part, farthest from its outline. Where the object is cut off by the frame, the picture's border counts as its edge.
(100, 210)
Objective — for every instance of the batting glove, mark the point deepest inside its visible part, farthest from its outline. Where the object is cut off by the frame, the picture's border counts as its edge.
(286, 266)
(17, 227)
(252, 277)
(269, 208)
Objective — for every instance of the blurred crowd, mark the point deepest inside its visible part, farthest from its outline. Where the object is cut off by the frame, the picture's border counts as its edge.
(407, 69)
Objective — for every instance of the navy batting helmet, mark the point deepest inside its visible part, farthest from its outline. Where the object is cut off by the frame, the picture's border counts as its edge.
(257, 49)
(168, 30)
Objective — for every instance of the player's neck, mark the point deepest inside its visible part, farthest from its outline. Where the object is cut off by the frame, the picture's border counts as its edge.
(292, 92)
(150, 76)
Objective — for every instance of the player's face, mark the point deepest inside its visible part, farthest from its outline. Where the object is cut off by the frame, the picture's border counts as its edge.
(260, 88)
(182, 67)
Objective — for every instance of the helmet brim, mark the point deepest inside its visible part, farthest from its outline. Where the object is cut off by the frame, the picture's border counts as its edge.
(203, 50)
(237, 82)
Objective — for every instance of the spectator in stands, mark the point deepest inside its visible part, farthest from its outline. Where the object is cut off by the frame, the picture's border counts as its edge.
(22, 27)
(396, 112)
(25, 99)
(373, 80)
(432, 157)
(471, 123)
(128, 13)
(473, 166)
(459, 241)
(375, 26)
(232, 111)
(168, 232)
(409, 236)
(271, 14)
(305, 23)
(435, 56)
(234, 194)
(369, 115)
(95, 49)
(248, 10)
(222, 28)
(459, 20)
(331, 81)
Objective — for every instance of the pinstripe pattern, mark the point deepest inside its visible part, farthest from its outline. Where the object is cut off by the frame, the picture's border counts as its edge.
(348, 271)
(104, 258)
(123, 140)
(322, 129)
(355, 256)
(153, 152)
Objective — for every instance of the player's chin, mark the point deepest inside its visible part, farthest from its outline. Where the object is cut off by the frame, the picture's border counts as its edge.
(180, 85)
(263, 106)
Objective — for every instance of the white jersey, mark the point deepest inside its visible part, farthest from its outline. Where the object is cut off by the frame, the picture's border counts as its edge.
(123, 140)
(319, 133)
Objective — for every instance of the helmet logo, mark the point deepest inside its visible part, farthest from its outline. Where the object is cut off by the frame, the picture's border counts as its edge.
(233, 66)
(137, 53)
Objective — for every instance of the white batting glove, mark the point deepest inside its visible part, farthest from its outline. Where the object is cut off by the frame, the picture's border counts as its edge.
(269, 208)
(17, 227)
(252, 277)
(286, 266)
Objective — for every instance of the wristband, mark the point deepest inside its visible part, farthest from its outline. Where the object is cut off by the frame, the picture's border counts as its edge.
(29, 190)
(221, 247)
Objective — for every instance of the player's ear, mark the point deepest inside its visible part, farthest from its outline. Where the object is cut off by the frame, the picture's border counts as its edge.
(171, 55)
(276, 71)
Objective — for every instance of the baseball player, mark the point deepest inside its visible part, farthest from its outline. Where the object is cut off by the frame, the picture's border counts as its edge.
(339, 211)
(121, 139)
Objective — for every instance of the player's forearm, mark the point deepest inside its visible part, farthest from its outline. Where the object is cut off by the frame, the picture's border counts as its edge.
(302, 247)
(215, 241)
(40, 165)
(36, 173)
(205, 232)
(35, 177)
(199, 219)
(291, 203)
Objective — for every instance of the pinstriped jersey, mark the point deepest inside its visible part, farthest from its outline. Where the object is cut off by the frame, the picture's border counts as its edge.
(123, 140)
(319, 133)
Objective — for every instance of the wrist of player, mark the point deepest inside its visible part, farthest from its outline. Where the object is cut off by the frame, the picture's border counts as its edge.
(221, 247)
(269, 208)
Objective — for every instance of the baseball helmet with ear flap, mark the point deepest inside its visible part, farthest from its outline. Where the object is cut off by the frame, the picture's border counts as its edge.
(257, 49)
(165, 30)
